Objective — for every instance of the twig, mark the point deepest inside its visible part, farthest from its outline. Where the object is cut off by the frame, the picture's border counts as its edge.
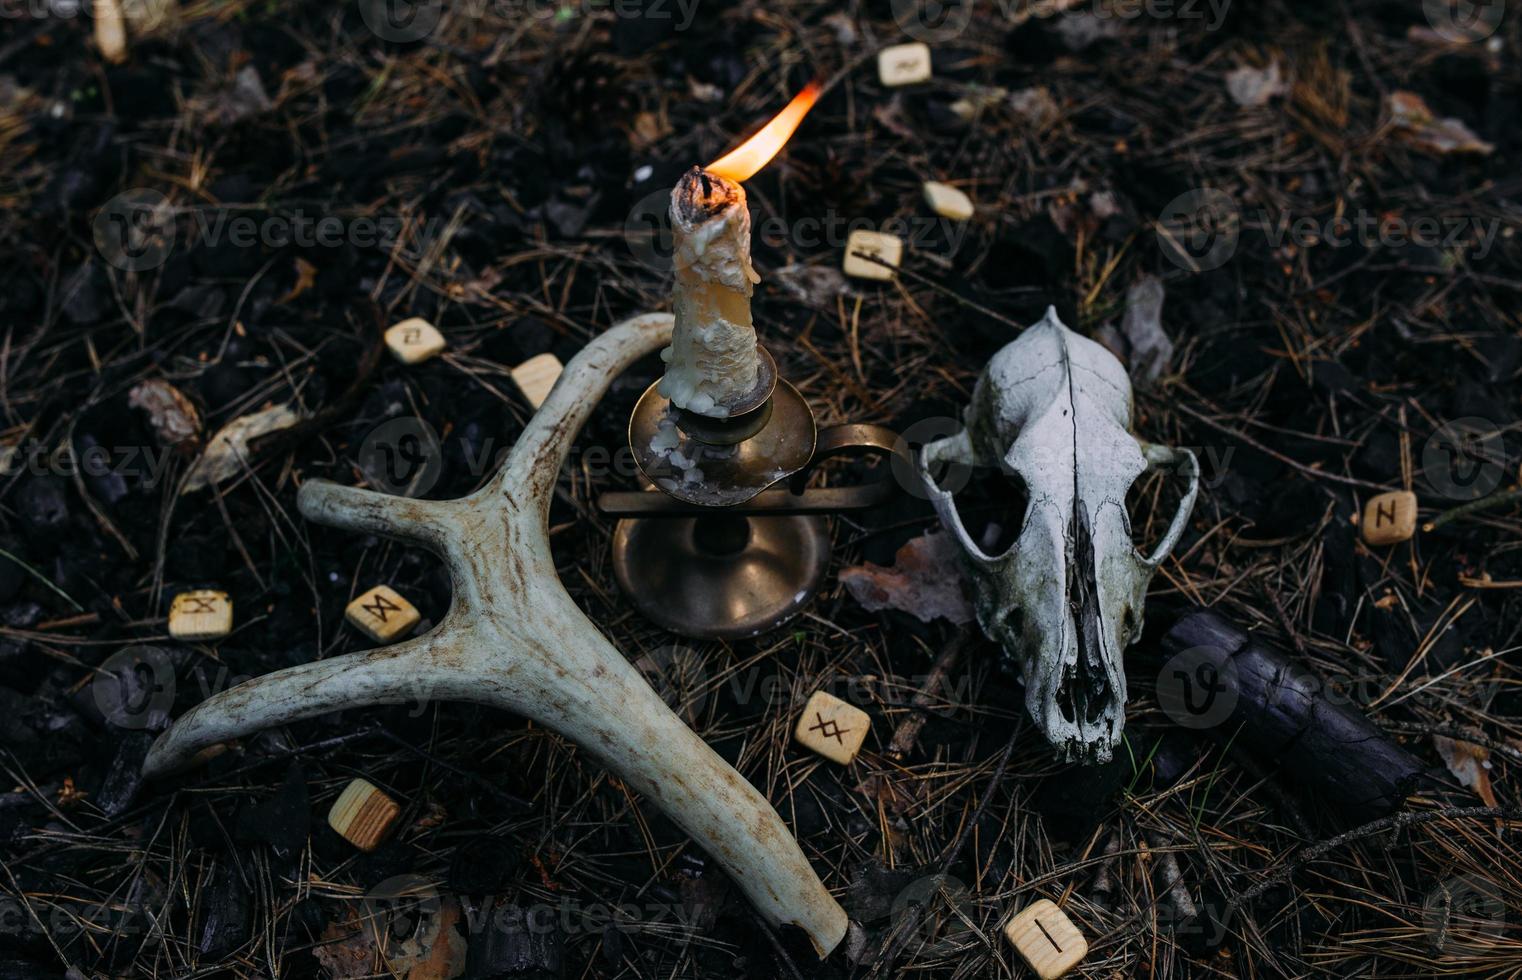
(1456, 733)
(908, 731)
(1310, 471)
(781, 950)
(455, 770)
(907, 928)
(1512, 496)
(1399, 821)
(42, 578)
(1173, 878)
(950, 293)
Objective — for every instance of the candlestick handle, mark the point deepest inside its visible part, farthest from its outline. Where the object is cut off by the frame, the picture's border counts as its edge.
(837, 440)
(849, 439)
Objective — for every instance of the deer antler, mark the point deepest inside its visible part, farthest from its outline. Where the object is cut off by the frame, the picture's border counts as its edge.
(513, 638)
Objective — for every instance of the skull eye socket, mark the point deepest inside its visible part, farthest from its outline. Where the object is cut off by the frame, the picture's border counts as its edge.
(992, 507)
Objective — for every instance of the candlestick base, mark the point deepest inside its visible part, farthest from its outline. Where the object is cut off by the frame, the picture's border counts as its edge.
(721, 576)
(723, 551)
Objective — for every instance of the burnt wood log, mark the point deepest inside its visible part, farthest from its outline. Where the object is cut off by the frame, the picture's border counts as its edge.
(1242, 691)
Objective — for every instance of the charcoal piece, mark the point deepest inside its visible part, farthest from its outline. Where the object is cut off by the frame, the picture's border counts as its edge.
(12, 575)
(225, 906)
(86, 297)
(44, 503)
(512, 944)
(1244, 692)
(89, 165)
(15, 968)
(284, 820)
(104, 480)
(22, 615)
(875, 888)
(122, 782)
(1175, 757)
(14, 815)
(517, 343)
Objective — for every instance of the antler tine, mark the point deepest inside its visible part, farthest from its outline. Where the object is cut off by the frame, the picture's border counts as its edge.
(541, 451)
(392, 675)
(425, 522)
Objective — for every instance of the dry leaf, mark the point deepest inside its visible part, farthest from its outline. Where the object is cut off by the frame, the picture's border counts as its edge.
(243, 98)
(843, 27)
(306, 278)
(924, 581)
(979, 99)
(1250, 87)
(227, 454)
(174, 417)
(363, 945)
(345, 950)
(704, 91)
(1151, 350)
(813, 285)
(1417, 125)
(649, 128)
(1469, 763)
(146, 16)
(890, 116)
(1035, 106)
(438, 951)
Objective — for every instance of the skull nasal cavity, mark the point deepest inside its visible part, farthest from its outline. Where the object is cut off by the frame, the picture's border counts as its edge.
(1086, 688)
(1085, 691)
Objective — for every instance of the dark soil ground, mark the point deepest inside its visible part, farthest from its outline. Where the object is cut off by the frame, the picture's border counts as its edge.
(507, 160)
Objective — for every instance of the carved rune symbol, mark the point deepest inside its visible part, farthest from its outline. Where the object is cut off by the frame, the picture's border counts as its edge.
(380, 607)
(828, 728)
(1048, 935)
(201, 604)
(411, 336)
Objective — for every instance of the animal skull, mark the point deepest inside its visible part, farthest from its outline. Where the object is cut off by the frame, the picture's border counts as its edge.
(1054, 409)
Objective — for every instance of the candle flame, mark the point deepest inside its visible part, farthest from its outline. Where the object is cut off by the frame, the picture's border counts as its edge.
(743, 161)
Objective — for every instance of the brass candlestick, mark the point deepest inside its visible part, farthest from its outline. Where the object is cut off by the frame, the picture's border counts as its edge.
(722, 550)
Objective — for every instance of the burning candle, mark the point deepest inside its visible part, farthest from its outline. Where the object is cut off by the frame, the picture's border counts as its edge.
(712, 363)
